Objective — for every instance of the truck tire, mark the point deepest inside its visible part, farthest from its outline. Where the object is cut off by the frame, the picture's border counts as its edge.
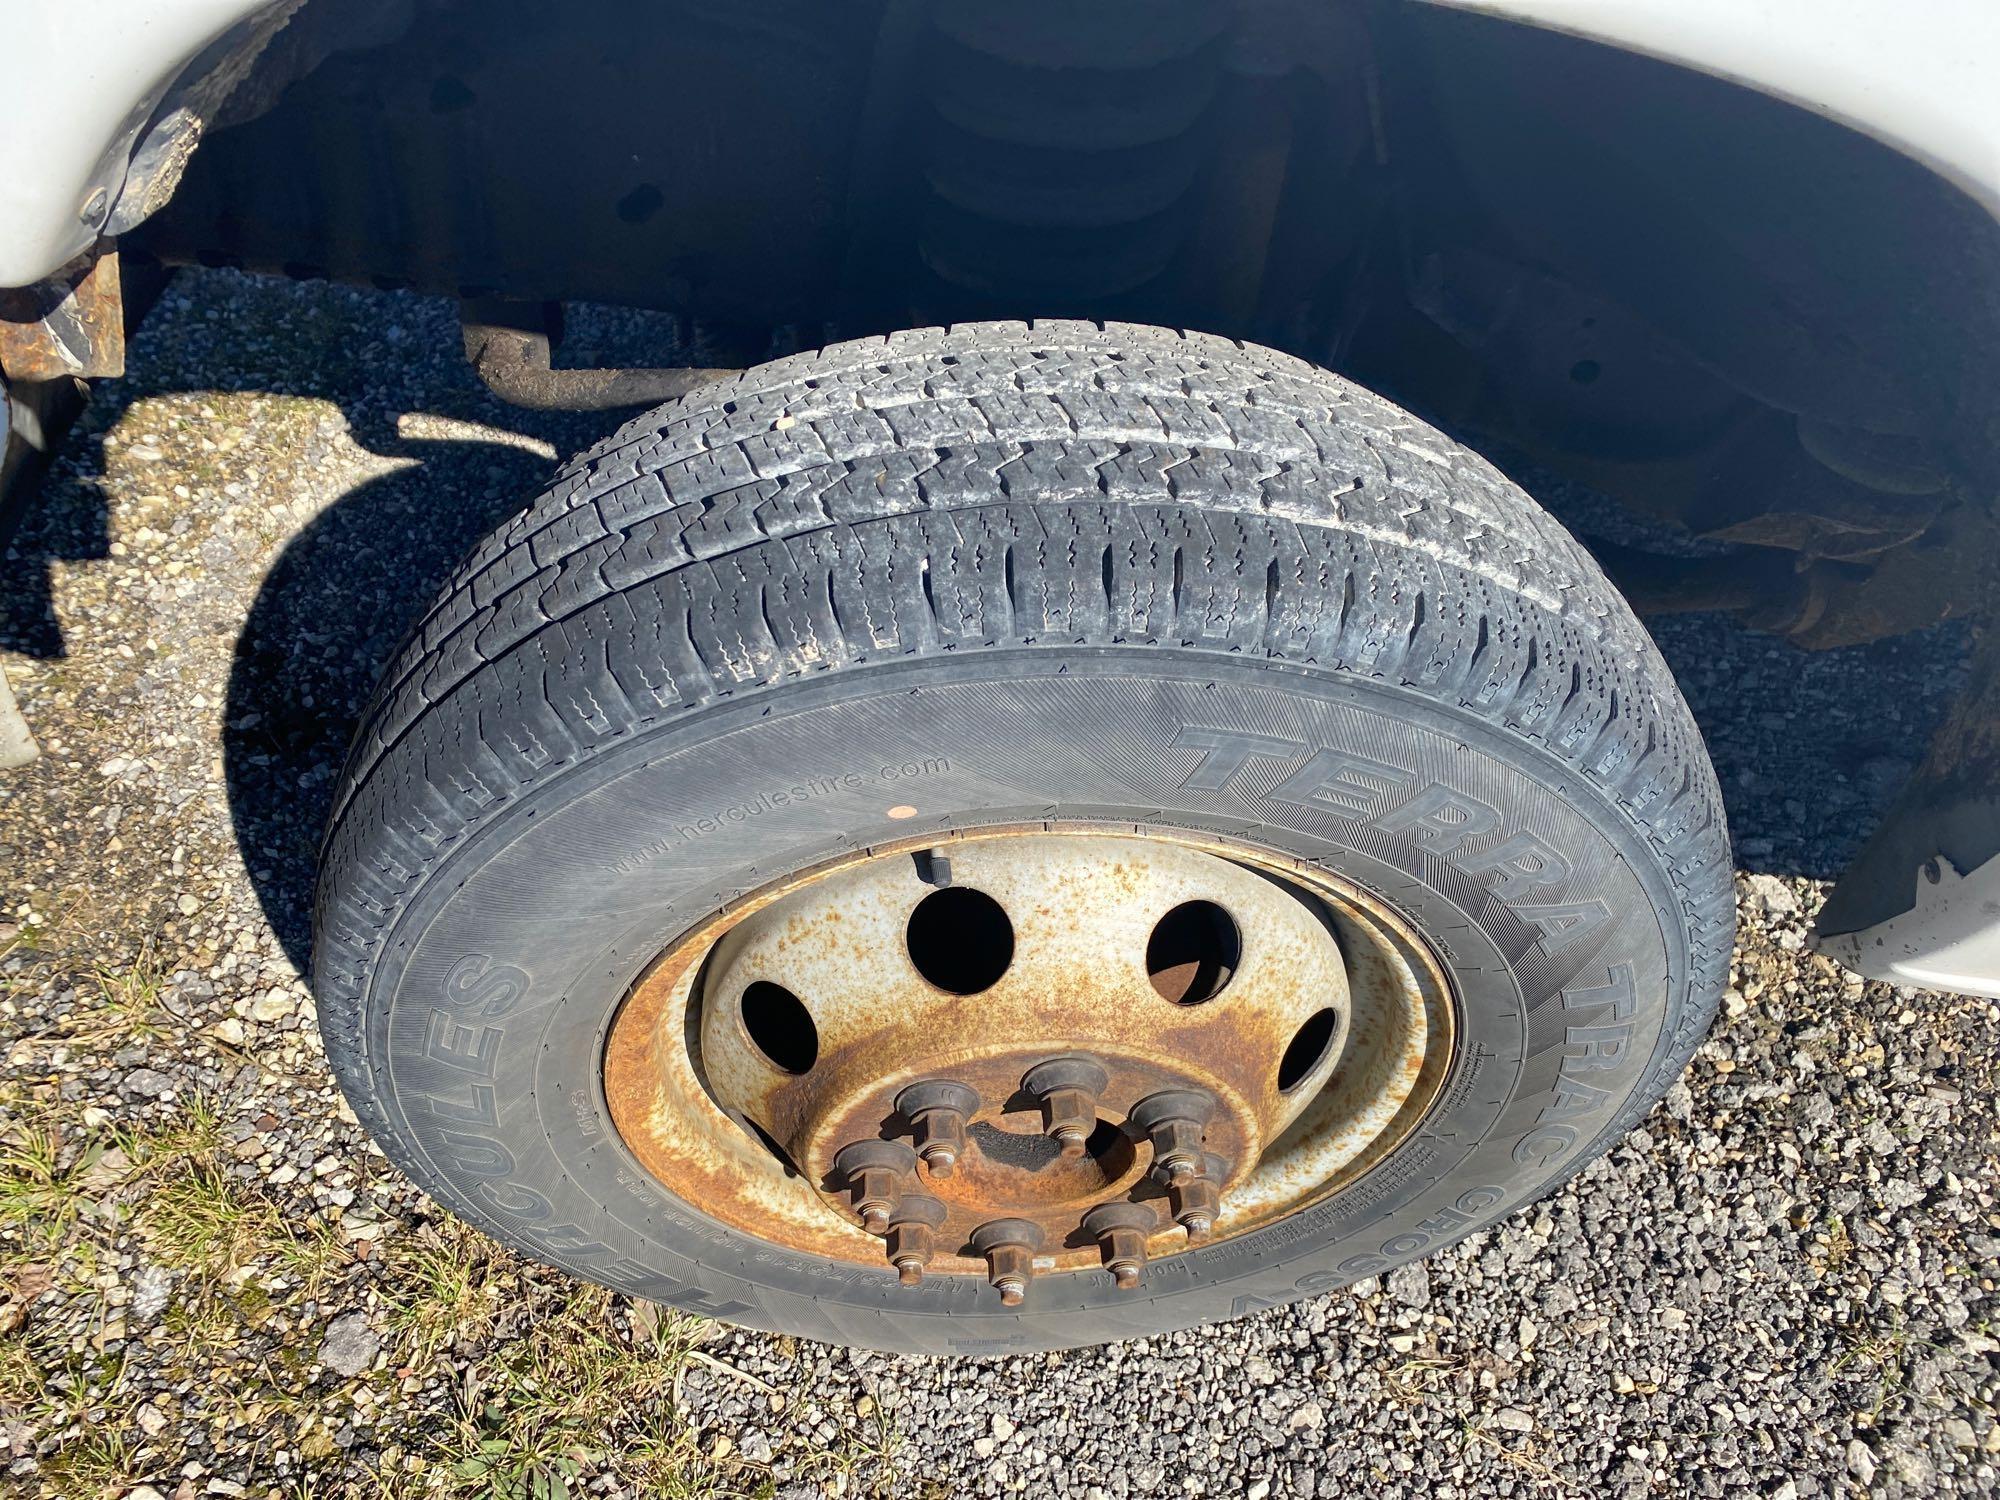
(939, 608)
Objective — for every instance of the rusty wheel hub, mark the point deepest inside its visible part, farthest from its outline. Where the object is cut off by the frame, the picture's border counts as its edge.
(1012, 1054)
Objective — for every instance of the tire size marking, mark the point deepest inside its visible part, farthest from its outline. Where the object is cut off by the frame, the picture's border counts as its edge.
(692, 829)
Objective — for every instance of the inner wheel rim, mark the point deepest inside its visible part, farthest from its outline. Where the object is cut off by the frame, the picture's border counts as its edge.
(1110, 1043)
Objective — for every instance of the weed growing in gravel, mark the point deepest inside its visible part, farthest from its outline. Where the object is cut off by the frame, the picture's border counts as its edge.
(128, 1007)
(449, 1278)
(99, 1461)
(41, 1189)
(569, 1393)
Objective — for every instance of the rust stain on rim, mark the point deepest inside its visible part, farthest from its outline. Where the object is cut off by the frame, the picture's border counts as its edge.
(727, 1130)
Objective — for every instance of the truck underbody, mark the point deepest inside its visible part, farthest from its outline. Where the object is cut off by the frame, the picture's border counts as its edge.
(1751, 325)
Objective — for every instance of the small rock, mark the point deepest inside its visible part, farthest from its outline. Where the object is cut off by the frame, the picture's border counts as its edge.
(1258, 1491)
(106, 1172)
(1309, 1417)
(1513, 1419)
(1958, 1432)
(187, 906)
(272, 1005)
(148, 1084)
(1913, 1468)
(150, 1290)
(1860, 1461)
(350, 1345)
(1411, 1286)
(152, 1421)
(1002, 1428)
(228, 1030)
(1772, 895)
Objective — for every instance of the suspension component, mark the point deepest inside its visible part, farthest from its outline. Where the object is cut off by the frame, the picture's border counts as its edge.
(873, 1172)
(912, 1238)
(937, 1110)
(1120, 1230)
(1009, 1246)
(1067, 1088)
(1068, 146)
(1175, 1122)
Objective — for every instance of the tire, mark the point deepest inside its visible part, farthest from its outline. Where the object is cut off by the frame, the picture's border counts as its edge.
(1012, 573)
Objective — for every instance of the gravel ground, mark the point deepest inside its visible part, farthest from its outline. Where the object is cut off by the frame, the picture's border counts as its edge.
(1783, 1285)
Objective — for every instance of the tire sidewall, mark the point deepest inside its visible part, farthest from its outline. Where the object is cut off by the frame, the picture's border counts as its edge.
(488, 1006)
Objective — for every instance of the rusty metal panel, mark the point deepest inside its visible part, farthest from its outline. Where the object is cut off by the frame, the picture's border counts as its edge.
(70, 325)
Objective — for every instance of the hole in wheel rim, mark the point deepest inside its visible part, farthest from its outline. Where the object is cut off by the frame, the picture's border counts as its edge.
(779, 1026)
(1193, 952)
(960, 940)
(1307, 1050)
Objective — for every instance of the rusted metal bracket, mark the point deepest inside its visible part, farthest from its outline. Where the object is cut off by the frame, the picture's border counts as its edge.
(511, 345)
(72, 325)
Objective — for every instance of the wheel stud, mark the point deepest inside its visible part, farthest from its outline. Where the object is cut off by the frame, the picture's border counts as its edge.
(913, 1227)
(938, 1110)
(1197, 1201)
(1174, 1122)
(1009, 1246)
(873, 1172)
(1120, 1230)
(1067, 1089)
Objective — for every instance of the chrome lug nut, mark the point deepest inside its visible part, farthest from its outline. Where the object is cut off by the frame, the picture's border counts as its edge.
(1197, 1201)
(1120, 1230)
(912, 1239)
(1067, 1089)
(1174, 1122)
(1009, 1246)
(873, 1172)
(937, 1110)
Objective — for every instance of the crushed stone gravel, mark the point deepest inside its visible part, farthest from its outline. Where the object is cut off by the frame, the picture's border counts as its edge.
(1781, 1285)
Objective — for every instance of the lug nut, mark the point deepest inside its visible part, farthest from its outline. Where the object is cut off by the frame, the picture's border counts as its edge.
(874, 1173)
(1120, 1230)
(1009, 1246)
(1197, 1202)
(1174, 1122)
(1067, 1089)
(913, 1228)
(938, 1110)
